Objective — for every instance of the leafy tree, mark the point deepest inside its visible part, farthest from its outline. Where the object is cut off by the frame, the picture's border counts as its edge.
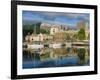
(74, 37)
(44, 31)
(81, 34)
(68, 37)
(88, 37)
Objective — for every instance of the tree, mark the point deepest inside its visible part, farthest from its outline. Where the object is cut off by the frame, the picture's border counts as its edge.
(74, 37)
(88, 37)
(81, 34)
(44, 31)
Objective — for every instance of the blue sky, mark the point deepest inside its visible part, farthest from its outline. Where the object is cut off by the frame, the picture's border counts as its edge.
(70, 19)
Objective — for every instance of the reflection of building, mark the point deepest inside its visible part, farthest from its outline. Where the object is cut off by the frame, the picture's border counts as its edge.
(58, 53)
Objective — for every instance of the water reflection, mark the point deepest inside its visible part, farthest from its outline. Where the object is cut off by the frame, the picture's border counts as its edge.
(55, 57)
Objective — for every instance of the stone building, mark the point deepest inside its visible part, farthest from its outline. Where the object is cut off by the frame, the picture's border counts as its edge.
(54, 29)
(34, 37)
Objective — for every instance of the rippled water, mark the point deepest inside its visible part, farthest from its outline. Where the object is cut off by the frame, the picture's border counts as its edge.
(59, 57)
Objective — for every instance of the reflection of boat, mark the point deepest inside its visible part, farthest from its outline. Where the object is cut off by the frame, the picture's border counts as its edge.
(86, 47)
(53, 57)
(80, 44)
(59, 45)
(55, 45)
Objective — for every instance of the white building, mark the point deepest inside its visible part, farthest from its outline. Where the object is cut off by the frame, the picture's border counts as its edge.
(54, 29)
(41, 37)
(33, 37)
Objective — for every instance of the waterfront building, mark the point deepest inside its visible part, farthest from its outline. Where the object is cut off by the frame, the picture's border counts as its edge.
(54, 29)
(59, 36)
(35, 37)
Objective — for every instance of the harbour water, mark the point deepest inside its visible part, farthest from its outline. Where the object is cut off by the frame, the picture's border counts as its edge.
(56, 57)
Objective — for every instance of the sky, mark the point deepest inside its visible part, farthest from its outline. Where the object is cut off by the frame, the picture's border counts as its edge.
(69, 19)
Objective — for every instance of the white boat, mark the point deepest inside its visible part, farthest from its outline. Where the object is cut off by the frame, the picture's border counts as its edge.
(35, 46)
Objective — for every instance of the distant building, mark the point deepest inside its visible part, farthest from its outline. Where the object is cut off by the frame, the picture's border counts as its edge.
(81, 24)
(45, 26)
(64, 27)
(54, 29)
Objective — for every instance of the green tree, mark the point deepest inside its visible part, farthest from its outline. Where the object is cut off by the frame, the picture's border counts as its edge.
(68, 37)
(44, 31)
(88, 37)
(75, 37)
(81, 34)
